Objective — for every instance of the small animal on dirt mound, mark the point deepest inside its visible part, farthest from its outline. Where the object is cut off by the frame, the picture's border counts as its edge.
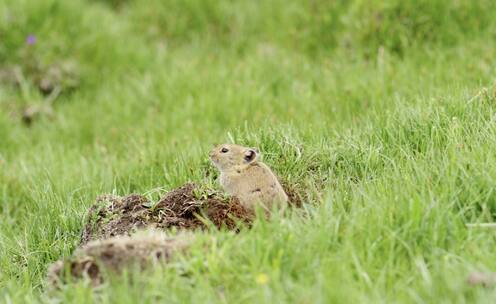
(245, 177)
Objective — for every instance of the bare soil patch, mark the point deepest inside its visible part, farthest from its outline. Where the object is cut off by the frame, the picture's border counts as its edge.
(185, 208)
(109, 241)
(114, 254)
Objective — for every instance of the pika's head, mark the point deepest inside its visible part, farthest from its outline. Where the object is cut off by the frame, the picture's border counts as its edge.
(230, 156)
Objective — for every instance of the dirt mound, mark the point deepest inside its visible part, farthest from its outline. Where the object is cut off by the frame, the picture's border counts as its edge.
(51, 81)
(106, 242)
(62, 75)
(188, 207)
(114, 254)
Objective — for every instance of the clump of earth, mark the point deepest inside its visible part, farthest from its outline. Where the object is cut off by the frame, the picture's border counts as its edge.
(111, 238)
(50, 80)
(98, 257)
(185, 208)
(59, 76)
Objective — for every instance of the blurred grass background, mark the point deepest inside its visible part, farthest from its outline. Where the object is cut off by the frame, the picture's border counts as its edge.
(381, 111)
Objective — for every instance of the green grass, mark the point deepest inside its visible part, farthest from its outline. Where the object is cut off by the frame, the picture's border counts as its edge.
(383, 112)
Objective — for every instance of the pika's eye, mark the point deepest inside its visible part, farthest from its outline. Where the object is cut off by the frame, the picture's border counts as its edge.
(224, 150)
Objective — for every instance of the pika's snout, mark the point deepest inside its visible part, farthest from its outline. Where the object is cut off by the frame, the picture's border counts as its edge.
(213, 157)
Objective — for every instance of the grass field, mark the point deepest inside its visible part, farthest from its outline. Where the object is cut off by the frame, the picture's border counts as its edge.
(382, 112)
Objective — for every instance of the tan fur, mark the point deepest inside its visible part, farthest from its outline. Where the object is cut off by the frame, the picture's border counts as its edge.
(251, 181)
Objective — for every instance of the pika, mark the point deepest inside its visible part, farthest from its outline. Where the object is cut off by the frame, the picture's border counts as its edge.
(245, 177)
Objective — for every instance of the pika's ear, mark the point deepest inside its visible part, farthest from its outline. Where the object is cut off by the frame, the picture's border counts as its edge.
(251, 155)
